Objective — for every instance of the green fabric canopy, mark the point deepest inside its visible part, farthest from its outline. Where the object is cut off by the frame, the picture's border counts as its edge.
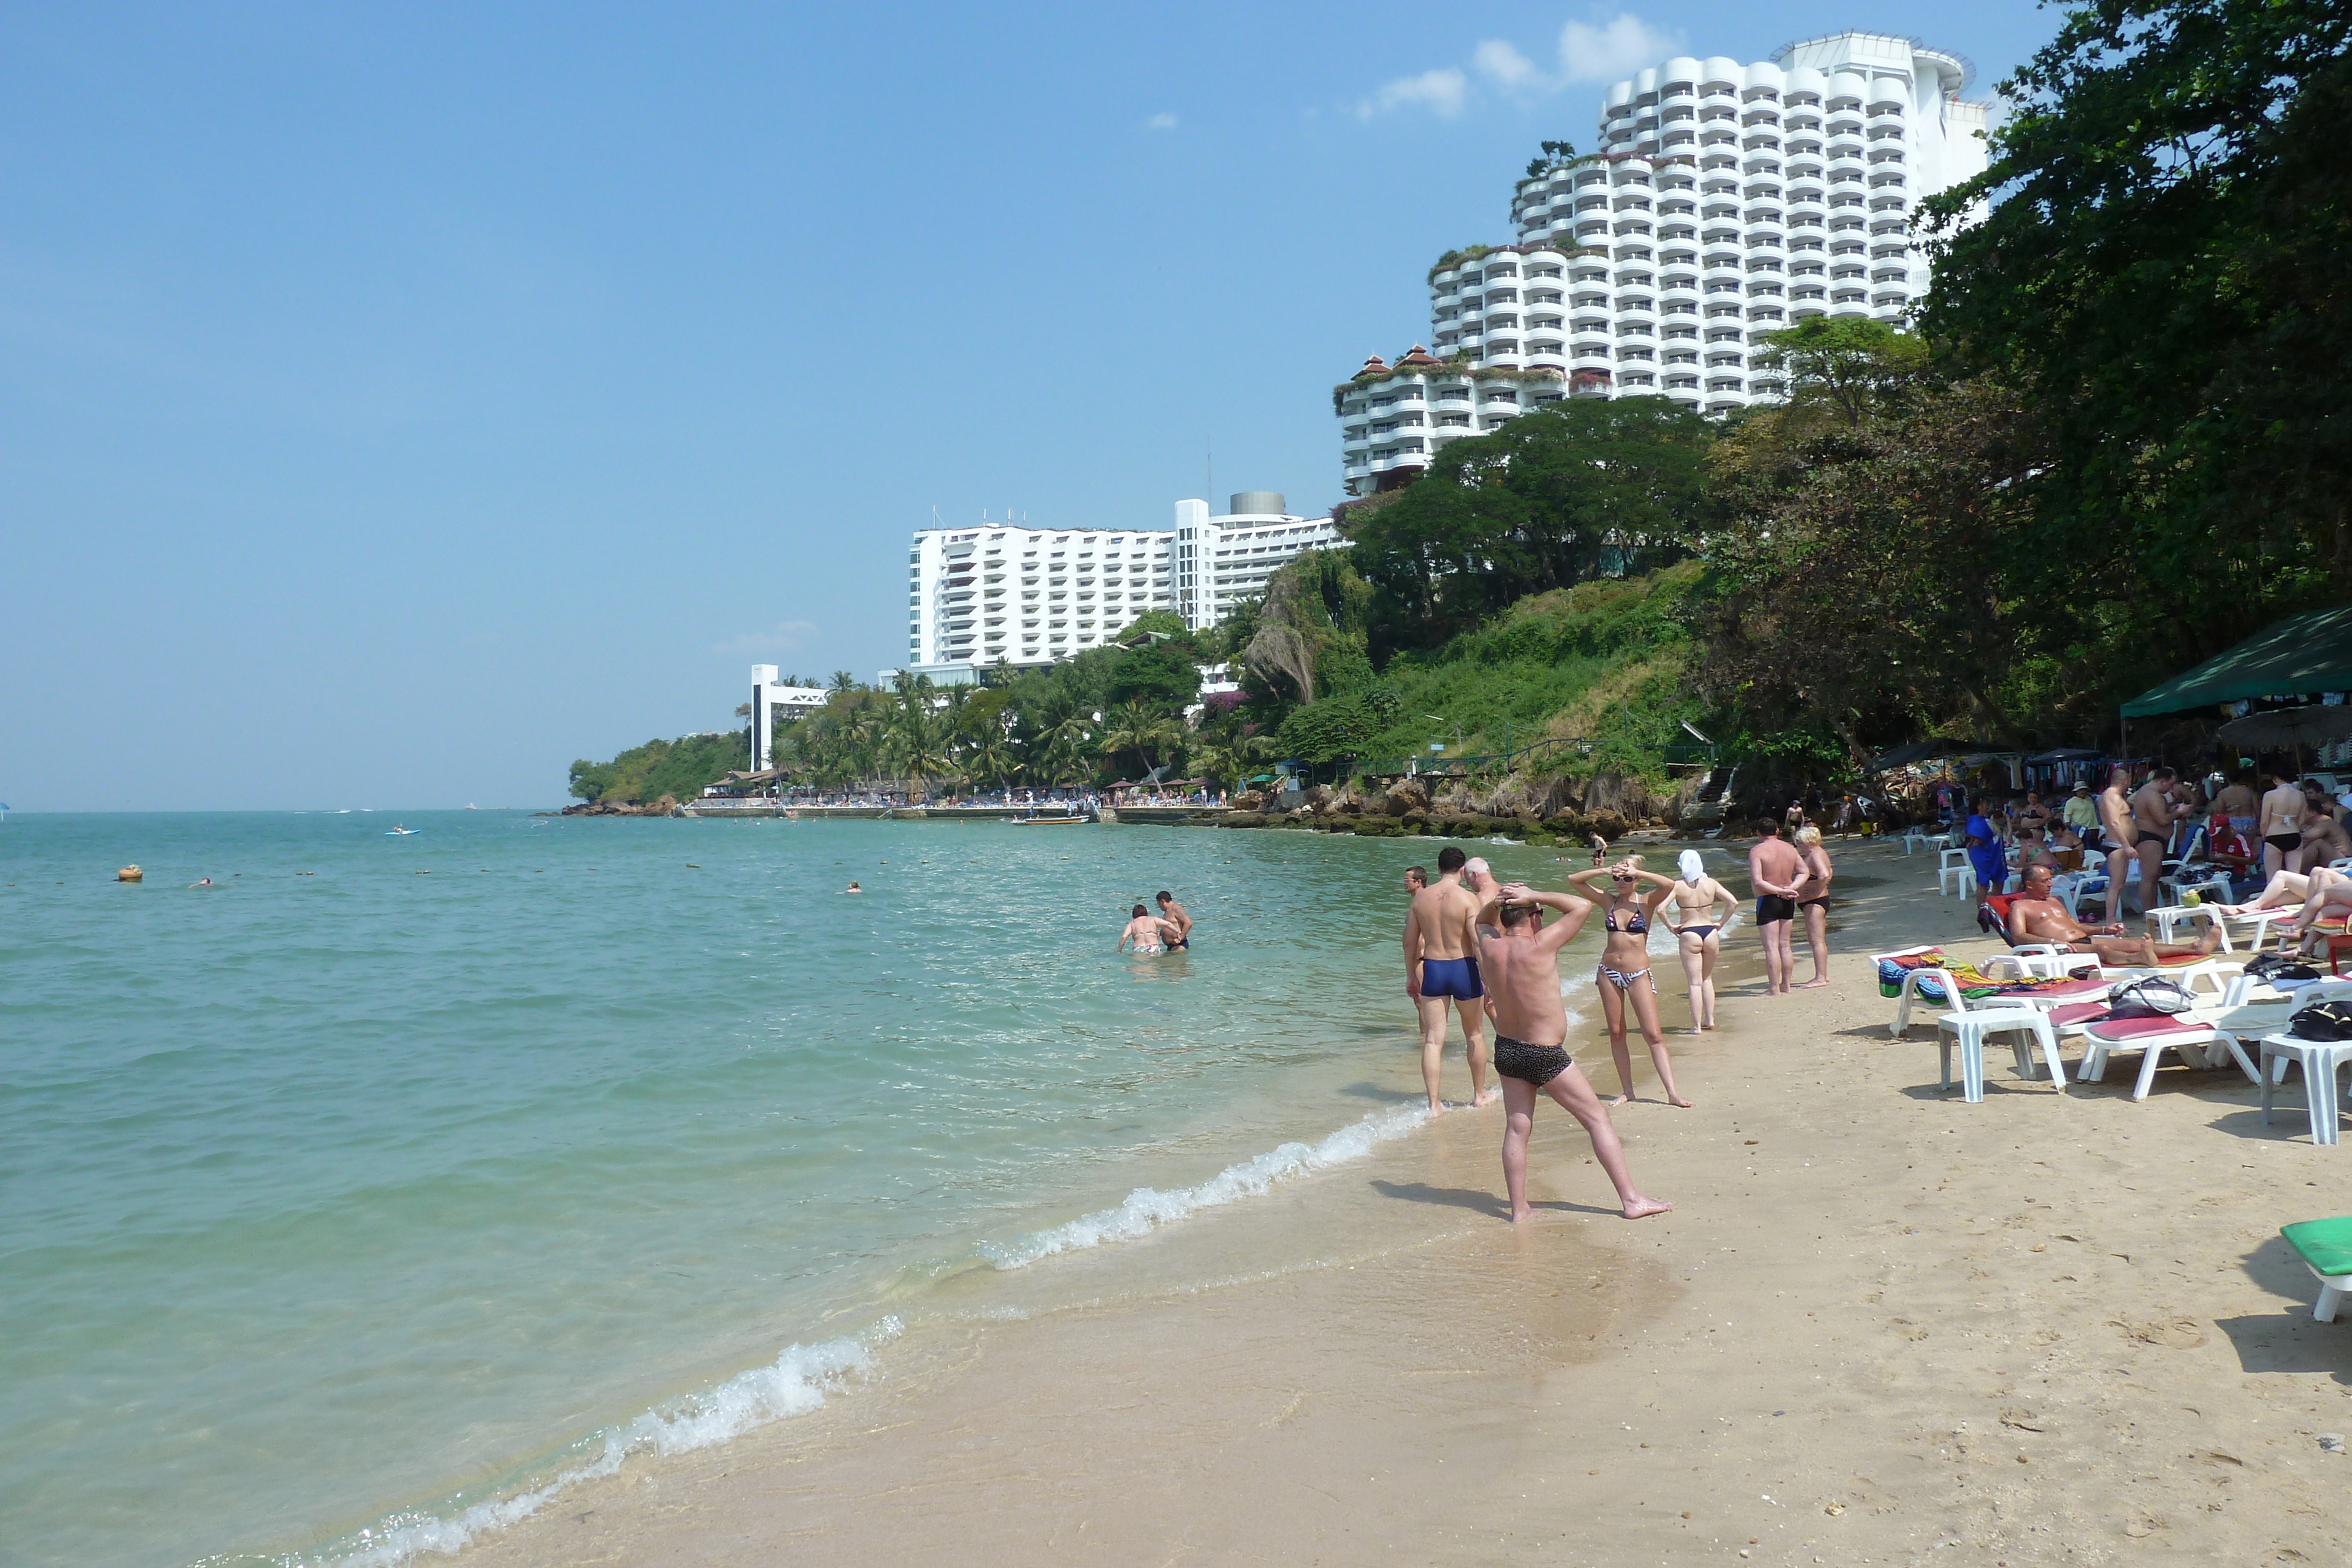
(2296, 657)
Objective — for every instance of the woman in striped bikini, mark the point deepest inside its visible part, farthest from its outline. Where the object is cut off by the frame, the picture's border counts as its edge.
(1630, 896)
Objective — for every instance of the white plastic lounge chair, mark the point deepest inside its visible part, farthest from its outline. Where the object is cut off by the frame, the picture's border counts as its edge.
(2325, 1248)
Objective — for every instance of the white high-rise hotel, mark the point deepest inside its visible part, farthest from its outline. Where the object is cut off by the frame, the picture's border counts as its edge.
(996, 593)
(1724, 201)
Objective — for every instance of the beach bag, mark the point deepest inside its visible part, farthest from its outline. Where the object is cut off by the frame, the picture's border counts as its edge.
(2322, 1021)
(2148, 1000)
(2280, 966)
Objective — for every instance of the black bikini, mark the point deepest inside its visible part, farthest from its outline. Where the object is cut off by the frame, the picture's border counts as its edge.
(1635, 925)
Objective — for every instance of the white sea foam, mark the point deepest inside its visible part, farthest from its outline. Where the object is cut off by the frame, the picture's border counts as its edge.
(794, 1385)
(1147, 1209)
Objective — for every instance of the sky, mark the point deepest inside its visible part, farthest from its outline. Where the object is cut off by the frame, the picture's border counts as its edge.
(397, 402)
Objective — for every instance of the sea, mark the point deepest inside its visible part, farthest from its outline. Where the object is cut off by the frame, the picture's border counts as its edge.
(363, 1190)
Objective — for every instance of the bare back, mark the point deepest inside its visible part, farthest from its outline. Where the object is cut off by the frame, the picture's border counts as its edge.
(1695, 900)
(1775, 860)
(2281, 812)
(1440, 918)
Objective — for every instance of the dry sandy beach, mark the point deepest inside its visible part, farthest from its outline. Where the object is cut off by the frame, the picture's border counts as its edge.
(1883, 1326)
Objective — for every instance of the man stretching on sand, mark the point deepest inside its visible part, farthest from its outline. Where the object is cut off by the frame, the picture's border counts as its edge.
(1441, 961)
(1775, 869)
(2035, 916)
(1174, 914)
(1530, 1036)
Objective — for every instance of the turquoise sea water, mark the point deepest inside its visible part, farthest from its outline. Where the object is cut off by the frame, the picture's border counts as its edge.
(338, 1200)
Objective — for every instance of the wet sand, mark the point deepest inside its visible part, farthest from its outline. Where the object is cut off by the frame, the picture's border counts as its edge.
(1883, 1326)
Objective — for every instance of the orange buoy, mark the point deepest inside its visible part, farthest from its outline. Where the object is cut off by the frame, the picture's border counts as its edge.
(130, 873)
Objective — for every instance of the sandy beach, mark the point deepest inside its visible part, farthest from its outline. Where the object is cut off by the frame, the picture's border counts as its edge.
(1884, 1325)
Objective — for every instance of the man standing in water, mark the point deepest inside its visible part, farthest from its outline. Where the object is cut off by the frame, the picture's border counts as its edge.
(1775, 869)
(1440, 963)
(1415, 879)
(1530, 1039)
(1174, 914)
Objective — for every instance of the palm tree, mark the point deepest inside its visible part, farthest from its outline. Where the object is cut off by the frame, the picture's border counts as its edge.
(1134, 727)
(993, 758)
(917, 742)
(842, 681)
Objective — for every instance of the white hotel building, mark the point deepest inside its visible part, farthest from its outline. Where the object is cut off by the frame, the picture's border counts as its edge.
(1724, 201)
(996, 593)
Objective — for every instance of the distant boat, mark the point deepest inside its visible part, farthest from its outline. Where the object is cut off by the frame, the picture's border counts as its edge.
(1049, 821)
(400, 832)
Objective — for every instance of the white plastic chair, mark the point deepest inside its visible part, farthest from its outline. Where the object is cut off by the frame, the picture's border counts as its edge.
(1955, 865)
(2170, 915)
(1917, 838)
(2319, 1060)
(1966, 1028)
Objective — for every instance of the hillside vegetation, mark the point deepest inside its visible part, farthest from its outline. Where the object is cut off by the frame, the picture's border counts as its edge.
(658, 768)
(2115, 447)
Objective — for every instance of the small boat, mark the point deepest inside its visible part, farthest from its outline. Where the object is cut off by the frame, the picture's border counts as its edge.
(1065, 821)
(399, 832)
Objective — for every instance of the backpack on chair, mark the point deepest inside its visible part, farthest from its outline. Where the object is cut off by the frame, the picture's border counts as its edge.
(2322, 1021)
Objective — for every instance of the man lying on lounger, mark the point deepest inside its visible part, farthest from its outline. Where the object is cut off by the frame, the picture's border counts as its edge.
(2035, 916)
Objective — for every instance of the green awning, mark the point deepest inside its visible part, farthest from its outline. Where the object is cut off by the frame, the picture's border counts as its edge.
(2296, 657)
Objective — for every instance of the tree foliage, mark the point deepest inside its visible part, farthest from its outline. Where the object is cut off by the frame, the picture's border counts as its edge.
(2166, 270)
(1579, 489)
(658, 768)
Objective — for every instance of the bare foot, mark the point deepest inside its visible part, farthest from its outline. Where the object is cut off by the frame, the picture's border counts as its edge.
(1617, 1100)
(1487, 1097)
(1816, 980)
(1643, 1208)
(1674, 1100)
(1519, 1215)
(1437, 1107)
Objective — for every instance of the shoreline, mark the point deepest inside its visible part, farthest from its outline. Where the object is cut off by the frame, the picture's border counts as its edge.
(1852, 1339)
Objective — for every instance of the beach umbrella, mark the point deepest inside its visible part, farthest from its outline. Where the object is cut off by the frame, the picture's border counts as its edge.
(2290, 727)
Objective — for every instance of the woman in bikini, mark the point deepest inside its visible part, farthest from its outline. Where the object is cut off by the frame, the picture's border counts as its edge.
(1813, 901)
(1624, 978)
(1697, 906)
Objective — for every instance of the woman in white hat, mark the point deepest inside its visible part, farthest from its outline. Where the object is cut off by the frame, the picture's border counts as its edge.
(1699, 907)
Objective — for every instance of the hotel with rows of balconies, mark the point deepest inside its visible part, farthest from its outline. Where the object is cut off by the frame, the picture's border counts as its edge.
(1725, 202)
(1002, 594)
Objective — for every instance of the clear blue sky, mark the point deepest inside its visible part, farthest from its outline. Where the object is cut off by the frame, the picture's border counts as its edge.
(397, 402)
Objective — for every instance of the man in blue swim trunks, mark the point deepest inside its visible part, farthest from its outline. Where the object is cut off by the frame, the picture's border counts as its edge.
(1441, 964)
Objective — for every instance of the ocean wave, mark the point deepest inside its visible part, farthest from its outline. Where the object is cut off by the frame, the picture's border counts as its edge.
(795, 1384)
(1147, 1209)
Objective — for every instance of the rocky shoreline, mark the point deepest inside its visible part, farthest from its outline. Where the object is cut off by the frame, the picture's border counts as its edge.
(1539, 812)
(667, 806)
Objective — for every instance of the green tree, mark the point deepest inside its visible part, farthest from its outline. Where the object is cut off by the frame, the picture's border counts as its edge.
(1582, 488)
(2163, 268)
(1136, 731)
(1847, 364)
